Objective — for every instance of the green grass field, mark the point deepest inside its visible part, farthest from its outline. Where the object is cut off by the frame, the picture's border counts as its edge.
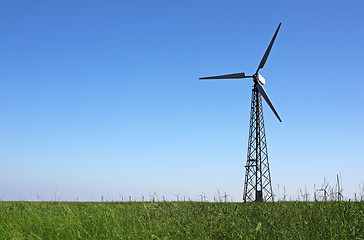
(181, 220)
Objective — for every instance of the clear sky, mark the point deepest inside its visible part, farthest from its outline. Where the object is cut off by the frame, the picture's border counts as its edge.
(103, 98)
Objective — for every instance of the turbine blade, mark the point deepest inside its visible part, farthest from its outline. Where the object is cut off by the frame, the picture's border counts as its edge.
(228, 76)
(265, 96)
(264, 59)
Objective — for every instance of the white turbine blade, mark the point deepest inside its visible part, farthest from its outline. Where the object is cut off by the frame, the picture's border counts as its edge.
(266, 98)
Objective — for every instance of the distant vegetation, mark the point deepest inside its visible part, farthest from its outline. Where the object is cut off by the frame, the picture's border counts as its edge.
(181, 220)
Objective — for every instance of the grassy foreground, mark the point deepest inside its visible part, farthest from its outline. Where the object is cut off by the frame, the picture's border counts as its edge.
(181, 220)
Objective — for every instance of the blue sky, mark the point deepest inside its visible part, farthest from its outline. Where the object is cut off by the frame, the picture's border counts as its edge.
(103, 98)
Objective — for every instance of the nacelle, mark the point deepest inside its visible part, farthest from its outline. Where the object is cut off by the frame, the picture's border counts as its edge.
(261, 79)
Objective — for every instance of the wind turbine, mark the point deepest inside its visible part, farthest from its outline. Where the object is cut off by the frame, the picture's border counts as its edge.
(323, 188)
(339, 190)
(257, 185)
(203, 197)
(225, 196)
(177, 196)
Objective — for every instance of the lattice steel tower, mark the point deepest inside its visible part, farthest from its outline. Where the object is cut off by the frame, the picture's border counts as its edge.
(257, 185)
